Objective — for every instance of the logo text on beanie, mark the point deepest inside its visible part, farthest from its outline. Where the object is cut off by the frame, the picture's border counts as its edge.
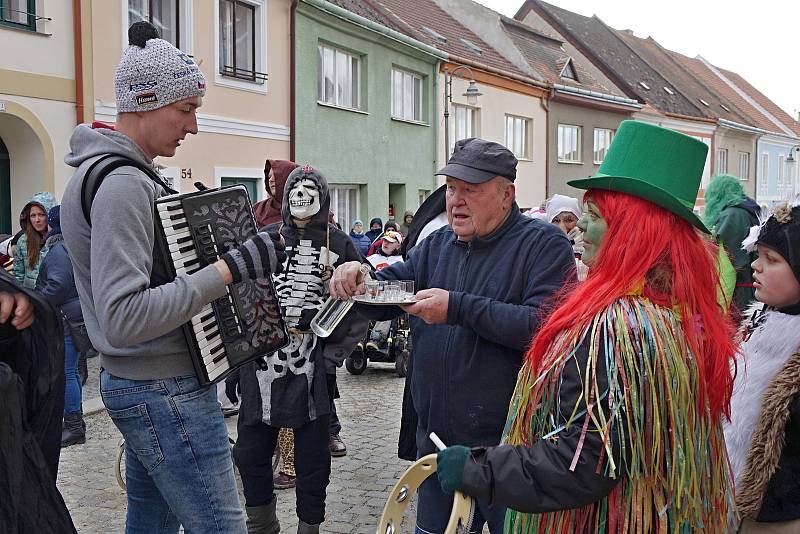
(146, 98)
(184, 73)
(144, 86)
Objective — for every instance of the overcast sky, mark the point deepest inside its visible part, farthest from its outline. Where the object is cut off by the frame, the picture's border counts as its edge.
(758, 40)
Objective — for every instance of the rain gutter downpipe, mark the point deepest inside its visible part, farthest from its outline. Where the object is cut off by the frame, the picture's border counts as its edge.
(77, 35)
(292, 84)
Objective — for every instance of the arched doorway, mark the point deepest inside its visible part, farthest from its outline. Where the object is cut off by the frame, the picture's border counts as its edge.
(5, 190)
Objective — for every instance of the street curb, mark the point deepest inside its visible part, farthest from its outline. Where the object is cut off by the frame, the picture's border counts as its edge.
(92, 406)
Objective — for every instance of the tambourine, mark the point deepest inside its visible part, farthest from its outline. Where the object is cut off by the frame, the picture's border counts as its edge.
(398, 501)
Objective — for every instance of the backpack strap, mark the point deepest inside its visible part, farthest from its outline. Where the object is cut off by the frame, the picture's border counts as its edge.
(102, 167)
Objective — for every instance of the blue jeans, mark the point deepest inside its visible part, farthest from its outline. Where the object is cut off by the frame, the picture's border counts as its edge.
(434, 507)
(72, 381)
(178, 465)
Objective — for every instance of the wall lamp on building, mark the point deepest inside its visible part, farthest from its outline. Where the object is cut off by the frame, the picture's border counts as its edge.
(792, 150)
(472, 93)
(790, 163)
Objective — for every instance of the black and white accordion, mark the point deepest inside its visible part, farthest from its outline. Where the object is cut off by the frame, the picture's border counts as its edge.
(192, 230)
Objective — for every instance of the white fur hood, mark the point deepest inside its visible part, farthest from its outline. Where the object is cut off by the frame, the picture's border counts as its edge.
(764, 354)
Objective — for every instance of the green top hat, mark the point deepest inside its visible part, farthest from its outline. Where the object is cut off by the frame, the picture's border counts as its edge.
(653, 163)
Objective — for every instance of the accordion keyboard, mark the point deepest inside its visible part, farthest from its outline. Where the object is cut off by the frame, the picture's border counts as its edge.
(218, 339)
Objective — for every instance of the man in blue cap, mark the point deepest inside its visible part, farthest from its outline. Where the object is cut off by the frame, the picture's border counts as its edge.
(482, 282)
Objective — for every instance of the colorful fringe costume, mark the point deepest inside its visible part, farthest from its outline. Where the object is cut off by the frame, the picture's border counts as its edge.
(670, 461)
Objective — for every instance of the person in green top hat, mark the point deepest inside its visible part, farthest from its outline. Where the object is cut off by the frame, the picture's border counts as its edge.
(629, 374)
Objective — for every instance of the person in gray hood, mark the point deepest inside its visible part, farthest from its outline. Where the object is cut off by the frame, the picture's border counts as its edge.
(178, 464)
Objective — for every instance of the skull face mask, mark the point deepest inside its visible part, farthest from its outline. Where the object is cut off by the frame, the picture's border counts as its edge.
(304, 199)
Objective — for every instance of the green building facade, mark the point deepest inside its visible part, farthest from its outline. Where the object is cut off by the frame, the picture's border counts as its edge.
(365, 111)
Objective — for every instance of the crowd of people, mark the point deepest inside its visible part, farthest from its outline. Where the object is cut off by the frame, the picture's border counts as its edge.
(612, 363)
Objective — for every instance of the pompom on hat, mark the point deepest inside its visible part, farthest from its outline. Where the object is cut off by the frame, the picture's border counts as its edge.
(153, 73)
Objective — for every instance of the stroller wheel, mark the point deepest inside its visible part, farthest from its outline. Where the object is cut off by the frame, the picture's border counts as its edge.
(356, 363)
(401, 363)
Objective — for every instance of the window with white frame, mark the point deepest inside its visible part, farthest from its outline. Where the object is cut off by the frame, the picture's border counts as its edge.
(722, 161)
(518, 136)
(763, 181)
(781, 172)
(163, 14)
(406, 96)
(569, 143)
(345, 203)
(240, 40)
(602, 140)
(464, 123)
(423, 195)
(338, 73)
(18, 13)
(744, 166)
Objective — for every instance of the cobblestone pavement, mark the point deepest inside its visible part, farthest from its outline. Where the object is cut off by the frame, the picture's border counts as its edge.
(360, 482)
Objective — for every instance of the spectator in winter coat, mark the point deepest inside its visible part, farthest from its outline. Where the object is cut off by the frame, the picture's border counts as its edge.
(408, 218)
(729, 214)
(30, 248)
(375, 229)
(359, 238)
(276, 171)
(375, 247)
(482, 281)
(56, 283)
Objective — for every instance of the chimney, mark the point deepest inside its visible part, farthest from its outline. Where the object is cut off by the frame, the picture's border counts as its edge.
(627, 32)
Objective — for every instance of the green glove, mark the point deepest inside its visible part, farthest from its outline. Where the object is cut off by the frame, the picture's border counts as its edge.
(450, 467)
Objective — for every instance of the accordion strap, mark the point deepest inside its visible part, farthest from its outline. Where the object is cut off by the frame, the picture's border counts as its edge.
(93, 179)
(102, 167)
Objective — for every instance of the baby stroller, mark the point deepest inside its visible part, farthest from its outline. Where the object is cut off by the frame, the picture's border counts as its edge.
(395, 347)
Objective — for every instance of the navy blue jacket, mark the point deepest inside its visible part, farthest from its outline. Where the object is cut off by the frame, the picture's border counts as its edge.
(361, 241)
(56, 281)
(464, 371)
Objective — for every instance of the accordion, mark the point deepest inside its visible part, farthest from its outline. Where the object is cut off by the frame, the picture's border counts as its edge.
(192, 230)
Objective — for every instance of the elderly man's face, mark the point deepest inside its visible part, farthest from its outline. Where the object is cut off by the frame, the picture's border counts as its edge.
(477, 209)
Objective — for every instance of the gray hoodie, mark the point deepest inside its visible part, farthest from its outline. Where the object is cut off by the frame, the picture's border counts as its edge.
(134, 327)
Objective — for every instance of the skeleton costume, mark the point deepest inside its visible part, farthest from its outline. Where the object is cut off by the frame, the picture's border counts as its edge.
(296, 386)
(289, 395)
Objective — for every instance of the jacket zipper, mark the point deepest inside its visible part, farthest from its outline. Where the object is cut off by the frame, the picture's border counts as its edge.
(445, 360)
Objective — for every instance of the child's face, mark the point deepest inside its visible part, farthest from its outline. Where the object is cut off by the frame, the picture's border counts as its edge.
(774, 279)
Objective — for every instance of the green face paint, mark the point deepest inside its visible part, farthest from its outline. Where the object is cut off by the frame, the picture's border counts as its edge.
(594, 230)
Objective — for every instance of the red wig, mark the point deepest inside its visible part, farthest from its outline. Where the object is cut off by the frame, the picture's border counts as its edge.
(649, 248)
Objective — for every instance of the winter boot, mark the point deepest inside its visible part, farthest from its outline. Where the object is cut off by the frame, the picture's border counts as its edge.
(305, 528)
(263, 519)
(74, 432)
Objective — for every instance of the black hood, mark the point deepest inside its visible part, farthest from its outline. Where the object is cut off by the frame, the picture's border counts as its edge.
(750, 205)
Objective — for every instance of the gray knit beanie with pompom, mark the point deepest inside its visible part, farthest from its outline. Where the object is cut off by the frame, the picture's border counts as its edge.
(152, 73)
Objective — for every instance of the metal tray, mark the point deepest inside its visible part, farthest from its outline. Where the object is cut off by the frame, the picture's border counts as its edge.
(364, 299)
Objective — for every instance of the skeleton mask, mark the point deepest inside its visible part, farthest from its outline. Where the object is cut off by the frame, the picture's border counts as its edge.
(304, 199)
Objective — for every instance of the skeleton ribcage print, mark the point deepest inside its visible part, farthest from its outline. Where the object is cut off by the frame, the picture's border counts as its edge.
(300, 285)
(301, 292)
